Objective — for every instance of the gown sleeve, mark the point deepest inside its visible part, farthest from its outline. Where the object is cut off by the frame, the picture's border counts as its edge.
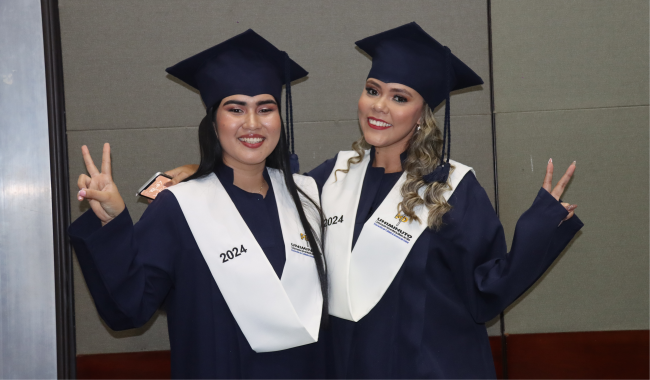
(474, 247)
(128, 268)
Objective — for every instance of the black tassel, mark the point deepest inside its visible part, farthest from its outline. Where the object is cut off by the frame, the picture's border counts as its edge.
(293, 157)
(295, 165)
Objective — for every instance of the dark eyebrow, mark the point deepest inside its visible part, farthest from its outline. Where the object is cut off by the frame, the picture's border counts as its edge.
(268, 101)
(240, 103)
(237, 102)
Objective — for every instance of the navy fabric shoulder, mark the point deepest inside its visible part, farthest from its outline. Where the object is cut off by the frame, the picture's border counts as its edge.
(322, 172)
(468, 193)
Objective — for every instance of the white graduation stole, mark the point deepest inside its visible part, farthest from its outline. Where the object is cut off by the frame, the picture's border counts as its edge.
(273, 314)
(359, 279)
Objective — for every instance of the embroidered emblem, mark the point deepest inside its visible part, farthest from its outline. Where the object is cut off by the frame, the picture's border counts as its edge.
(401, 218)
(302, 248)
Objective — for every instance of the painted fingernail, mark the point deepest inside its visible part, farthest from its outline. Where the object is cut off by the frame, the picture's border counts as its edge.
(82, 193)
(572, 207)
(550, 160)
(573, 163)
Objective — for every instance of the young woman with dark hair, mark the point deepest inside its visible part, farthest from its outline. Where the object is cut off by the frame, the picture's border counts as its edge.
(235, 251)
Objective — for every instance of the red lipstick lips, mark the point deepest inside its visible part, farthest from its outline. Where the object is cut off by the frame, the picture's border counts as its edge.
(252, 141)
(378, 124)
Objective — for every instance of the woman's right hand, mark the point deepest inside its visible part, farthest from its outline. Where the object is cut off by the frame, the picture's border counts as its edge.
(180, 173)
(99, 189)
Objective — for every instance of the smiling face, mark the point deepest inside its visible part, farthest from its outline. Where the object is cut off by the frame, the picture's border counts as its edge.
(388, 113)
(248, 128)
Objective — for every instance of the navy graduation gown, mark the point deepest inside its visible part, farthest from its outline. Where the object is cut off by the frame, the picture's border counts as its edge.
(132, 269)
(430, 321)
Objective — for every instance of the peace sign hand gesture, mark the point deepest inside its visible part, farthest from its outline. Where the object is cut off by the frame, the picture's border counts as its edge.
(561, 184)
(99, 188)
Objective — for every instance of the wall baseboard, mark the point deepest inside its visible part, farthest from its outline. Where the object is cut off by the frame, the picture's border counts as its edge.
(579, 355)
(127, 365)
(574, 355)
(497, 355)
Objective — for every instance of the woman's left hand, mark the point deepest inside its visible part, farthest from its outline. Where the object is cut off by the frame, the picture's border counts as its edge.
(559, 188)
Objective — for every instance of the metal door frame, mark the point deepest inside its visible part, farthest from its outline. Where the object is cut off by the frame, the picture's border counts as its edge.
(64, 286)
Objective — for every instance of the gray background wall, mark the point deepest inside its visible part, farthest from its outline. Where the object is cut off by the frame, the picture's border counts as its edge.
(571, 83)
(115, 53)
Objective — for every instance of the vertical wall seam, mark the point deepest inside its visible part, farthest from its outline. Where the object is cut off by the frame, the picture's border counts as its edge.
(502, 325)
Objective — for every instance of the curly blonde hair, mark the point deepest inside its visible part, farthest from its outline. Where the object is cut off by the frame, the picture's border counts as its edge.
(423, 155)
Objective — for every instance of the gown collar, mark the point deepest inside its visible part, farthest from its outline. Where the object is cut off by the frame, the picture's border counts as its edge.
(402, 158)
(227, 176)
(371, 184)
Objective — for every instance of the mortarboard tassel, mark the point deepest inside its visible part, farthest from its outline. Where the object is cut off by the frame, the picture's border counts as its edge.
(441, 172)
(293, 157)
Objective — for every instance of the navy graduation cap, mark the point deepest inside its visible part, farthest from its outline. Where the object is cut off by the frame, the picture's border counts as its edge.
(245, 64)
(410, 56)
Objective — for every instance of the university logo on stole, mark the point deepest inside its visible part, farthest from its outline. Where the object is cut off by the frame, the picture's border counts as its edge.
(303, 249)
(401, 219)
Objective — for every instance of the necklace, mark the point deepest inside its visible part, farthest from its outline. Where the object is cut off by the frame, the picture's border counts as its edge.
(261, 187)
(254, 191)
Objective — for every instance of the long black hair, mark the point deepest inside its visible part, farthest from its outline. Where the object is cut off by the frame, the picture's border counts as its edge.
(212, 158)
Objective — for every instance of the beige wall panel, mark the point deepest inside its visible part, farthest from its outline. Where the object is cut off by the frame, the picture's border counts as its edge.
(558, 54)
(471, 144)
(600, 282)
(319, 141)
(136, 155)
(115, 52)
